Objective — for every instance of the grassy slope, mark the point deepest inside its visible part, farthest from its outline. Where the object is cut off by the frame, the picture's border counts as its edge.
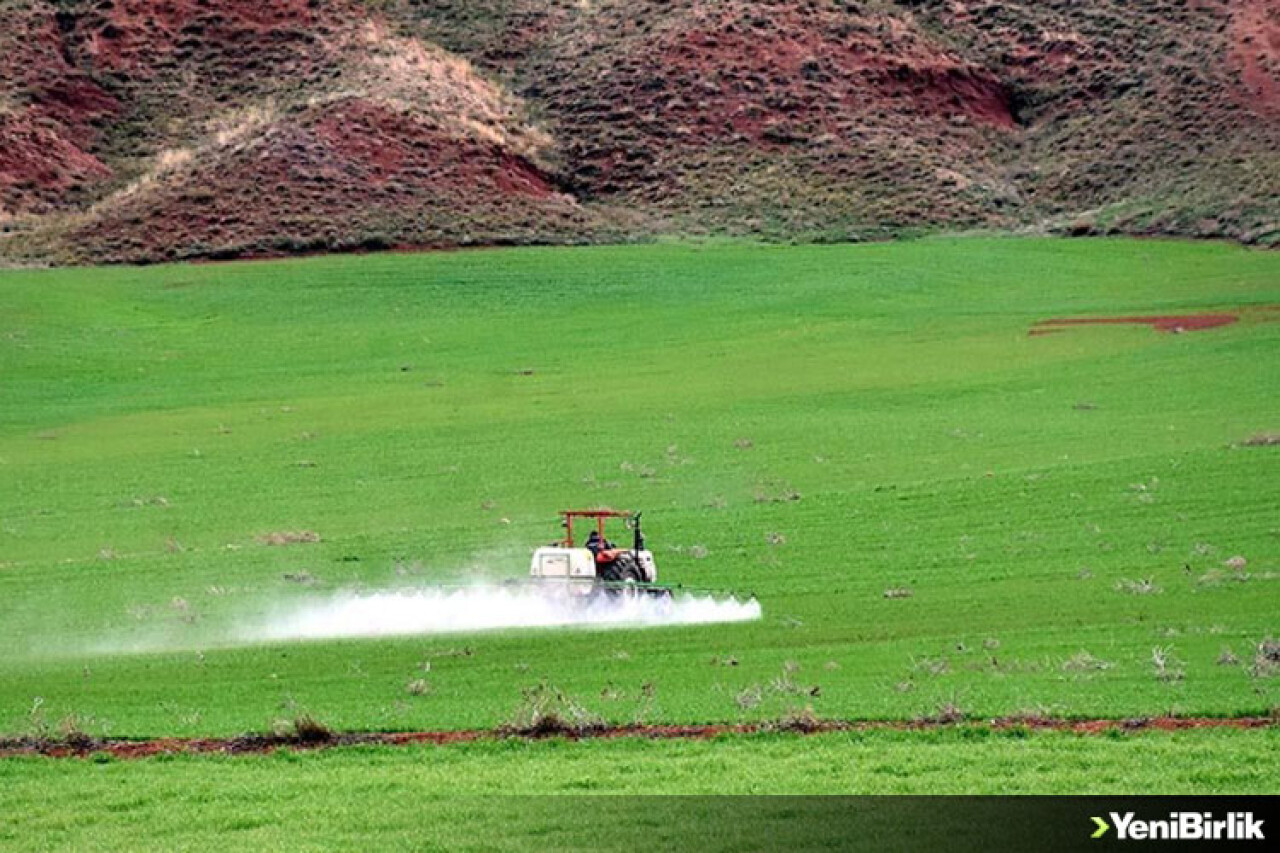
(345, 798)
(156, 421)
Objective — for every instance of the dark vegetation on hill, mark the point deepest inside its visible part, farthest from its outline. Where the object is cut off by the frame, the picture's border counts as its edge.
(140, 131)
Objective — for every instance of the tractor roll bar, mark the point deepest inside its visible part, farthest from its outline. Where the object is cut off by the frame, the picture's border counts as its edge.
(598, 514)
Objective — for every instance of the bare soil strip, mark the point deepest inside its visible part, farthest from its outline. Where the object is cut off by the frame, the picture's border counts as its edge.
(81, 746)
(1168, 323)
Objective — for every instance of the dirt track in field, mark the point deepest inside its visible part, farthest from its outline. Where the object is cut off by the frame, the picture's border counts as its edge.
(81, 747)
(1168, 323)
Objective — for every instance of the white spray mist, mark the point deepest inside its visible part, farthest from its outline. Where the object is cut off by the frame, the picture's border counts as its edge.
(481, 608)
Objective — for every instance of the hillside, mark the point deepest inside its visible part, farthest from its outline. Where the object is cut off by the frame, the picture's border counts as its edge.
(138, 131)
(144, 131)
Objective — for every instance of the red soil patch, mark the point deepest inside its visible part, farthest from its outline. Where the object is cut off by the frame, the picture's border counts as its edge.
(86, 746)
(37, 72)
(35, 153)
(386, 145)
(1165, 323)
(51, 123)
(1255, 51)
(816, 67)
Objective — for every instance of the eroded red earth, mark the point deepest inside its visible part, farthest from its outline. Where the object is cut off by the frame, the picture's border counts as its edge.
(1171, 323)
(250, 744)
(1255, 36)
(203, 129)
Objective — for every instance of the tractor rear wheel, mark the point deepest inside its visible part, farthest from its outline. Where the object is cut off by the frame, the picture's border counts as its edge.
(623, 570)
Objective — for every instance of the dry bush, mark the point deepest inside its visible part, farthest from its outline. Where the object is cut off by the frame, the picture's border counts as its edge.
(646, 703)
(931, 666)
(1266, 659)
(1213, 577)
(72, 734)
(1227, 657)
(781, 686)
(69, 734)
(1166, 666)
(289, 537)
(307, 729)
(37, 722)
(749, 697)
(1083, 661)
(801, 720)
(1034, 717)
(785, 683)
(1141, 586)
(1262, 439)
(547, 711)
(949, 713)
(417, 687)
(766, 494)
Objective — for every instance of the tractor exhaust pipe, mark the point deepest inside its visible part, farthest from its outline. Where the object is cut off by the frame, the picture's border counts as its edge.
(637, 544)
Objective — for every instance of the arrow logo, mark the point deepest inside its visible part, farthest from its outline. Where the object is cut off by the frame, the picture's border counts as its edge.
(1102, 827)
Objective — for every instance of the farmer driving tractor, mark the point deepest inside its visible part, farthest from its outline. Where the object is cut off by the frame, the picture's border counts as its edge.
(597, 543)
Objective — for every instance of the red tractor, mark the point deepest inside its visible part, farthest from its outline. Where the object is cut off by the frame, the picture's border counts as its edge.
(597, 563)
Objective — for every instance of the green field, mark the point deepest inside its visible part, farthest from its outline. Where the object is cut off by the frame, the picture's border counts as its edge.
(819, 425)
(345, 798)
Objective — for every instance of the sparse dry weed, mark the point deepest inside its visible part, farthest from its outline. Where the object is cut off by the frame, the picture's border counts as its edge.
(1141, 586)
(547, 711)
(1083, 661)
(1266, 658)
(289, 537)
(1166, 665)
